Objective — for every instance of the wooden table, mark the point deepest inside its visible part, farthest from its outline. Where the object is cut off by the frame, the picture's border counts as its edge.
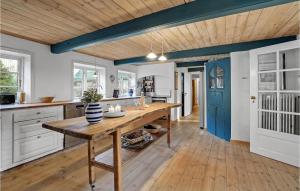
(134, 118)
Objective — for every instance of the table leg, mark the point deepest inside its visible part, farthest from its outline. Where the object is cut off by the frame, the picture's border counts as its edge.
(169, 128)
(91, 157)
(117, 160)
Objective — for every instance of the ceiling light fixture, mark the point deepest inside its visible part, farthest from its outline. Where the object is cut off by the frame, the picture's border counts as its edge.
(95, 73)
(162, 56)
(151, 55)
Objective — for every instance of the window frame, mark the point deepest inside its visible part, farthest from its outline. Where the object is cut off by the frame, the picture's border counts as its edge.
(85, 67)
(20, 72)
(135, 81)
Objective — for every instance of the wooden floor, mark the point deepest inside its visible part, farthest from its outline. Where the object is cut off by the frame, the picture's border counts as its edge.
(197, 161)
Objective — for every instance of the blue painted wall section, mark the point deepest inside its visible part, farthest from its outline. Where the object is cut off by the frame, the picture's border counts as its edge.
(198, 10)
(219, 100)
(214, 50)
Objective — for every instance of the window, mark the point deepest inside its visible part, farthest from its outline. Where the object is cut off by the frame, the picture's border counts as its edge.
(87, 76)
(11, 74)
(216, 78)
(126, 81)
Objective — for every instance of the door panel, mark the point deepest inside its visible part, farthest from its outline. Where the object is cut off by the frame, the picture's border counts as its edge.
(220, 122)
(218, 98)
(275, 115)
(211, 119)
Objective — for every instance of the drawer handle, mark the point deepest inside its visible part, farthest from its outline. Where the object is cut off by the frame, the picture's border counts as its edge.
(38, 113)
(38, 137)
(38, 121)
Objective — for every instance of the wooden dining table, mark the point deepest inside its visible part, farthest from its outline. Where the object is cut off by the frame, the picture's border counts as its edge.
(135, 117)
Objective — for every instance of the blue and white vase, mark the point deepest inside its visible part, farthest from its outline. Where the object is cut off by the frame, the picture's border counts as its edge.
(94, 113)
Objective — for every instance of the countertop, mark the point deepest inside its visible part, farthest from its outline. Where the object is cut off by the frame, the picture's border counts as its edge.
(56, 103)
(79, 127)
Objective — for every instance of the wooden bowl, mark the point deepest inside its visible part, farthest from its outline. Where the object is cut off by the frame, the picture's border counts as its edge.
(46, 99)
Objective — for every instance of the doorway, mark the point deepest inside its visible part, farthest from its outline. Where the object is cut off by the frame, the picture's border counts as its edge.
(219, 98)
(182, 94)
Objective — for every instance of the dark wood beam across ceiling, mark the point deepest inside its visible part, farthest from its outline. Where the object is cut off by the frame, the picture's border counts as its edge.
(207, 51)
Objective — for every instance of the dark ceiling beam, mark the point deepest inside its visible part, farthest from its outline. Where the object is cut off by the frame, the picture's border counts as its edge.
(209, 51)
(198, 10)
(196, 69)
(190, 64)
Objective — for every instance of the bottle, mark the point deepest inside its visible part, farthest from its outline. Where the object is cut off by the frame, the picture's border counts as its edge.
(20, 97)
(142, 100)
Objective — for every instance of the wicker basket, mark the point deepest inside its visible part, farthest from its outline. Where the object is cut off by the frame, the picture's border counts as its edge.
(131, 141)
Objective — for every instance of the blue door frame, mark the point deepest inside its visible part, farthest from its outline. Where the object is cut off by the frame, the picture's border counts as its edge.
(218, 93)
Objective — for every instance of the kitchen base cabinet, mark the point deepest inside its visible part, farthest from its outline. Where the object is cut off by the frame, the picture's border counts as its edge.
(22, 137)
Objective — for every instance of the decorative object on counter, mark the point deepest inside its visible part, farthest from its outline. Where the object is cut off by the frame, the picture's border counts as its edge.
(114, 112)
(130, 92)
(93, 111)
(116, 93)
(152, 128)
(117, 108)
(21, 97)
(142, 100)
(7, 99)
(47, 99)
(111, 109)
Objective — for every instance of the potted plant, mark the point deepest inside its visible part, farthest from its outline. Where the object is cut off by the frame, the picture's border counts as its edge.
(93, 111)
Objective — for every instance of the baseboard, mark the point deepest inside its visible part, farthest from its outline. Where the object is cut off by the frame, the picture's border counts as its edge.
(239, 142)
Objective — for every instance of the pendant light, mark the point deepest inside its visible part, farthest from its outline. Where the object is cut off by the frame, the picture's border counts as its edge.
(95, 73)
(151, 55)
(162, 56)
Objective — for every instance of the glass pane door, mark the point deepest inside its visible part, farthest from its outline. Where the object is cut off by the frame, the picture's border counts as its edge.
(279, 91)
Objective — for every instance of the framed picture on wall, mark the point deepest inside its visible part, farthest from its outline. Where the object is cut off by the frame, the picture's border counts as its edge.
(176, 80)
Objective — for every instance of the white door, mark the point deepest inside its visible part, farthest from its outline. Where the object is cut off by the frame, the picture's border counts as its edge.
(275, 102)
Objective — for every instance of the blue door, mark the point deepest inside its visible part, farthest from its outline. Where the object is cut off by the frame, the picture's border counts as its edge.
(218, 98)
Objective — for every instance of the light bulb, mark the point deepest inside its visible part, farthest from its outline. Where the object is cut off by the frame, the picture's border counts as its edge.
(162, 58)
(95, 74)
(151, 55)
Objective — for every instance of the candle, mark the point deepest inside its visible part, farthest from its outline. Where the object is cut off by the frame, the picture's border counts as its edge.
(111, 109)
(117, 108)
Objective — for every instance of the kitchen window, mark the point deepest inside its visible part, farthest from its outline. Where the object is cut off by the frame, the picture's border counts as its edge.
(126, 82)
(11, 74)
(86, 76)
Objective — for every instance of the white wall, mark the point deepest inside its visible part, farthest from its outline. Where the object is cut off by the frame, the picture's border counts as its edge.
(240, 95)
(164, 79)
(52, 73)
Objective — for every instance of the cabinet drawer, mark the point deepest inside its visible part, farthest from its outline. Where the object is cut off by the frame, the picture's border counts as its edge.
(33, 146)
(29, 114)
(31, 128)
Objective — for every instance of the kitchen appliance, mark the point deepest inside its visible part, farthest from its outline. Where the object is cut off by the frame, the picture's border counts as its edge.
(116, 93)
(73, 110)
(7, 99)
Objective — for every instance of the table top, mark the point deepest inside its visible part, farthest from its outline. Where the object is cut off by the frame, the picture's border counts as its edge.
(79, 127)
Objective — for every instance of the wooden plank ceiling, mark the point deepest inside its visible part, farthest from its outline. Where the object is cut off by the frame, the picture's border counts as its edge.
(52, 21)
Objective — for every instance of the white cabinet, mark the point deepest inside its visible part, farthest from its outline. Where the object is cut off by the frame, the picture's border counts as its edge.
(22, 137)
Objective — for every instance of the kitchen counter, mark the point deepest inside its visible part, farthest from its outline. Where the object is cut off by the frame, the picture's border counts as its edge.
(56, 103)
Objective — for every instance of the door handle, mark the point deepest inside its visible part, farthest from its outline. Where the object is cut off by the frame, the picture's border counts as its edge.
(253, 98)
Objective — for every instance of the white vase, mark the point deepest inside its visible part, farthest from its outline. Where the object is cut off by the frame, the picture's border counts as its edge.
(94, 113)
